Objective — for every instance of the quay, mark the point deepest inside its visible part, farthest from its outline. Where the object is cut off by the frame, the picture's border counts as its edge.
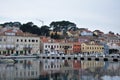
(73, 57)
(65, 57)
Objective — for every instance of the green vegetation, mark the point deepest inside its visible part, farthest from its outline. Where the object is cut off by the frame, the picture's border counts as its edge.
(58, 26)
(63, 26)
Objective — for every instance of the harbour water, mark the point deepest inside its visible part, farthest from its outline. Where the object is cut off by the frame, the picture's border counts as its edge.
(54, 69)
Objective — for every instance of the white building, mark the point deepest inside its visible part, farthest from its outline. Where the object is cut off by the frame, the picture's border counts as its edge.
(15, 41)
(50, 45)
(86, 33)
(114, 46)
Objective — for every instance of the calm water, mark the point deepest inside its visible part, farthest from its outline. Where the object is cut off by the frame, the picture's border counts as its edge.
(36, 69)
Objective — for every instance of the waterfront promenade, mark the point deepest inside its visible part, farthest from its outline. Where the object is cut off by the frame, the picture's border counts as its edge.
(66, 57)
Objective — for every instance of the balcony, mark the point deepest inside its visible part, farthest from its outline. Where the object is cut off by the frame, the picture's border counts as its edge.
(10, 48)
(27, 48)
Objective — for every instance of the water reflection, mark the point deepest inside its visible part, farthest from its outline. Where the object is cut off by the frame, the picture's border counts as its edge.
(36, 69)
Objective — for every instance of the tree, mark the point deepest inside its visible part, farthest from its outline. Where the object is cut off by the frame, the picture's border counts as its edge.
(56, 36)
(31, 28)
(11, 24)
(52, 36)
(62, 25)
(45, 30)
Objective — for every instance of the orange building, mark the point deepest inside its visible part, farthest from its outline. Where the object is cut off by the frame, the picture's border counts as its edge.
(76, 47)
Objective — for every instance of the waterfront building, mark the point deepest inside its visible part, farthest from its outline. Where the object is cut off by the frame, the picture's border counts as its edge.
(48, 45)
(114, 46)
(91, 47)
(106, 47)
(112, 41)
(27, 45)
(66, 47)
(76, 47)
(14, 41)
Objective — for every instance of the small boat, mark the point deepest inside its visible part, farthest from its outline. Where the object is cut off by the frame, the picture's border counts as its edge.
(7, 61)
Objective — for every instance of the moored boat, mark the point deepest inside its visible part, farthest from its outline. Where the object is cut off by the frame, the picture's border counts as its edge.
(7, 61)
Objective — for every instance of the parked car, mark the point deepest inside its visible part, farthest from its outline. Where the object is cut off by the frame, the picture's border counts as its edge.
(114, 55)
(100, 55)
(92, 55)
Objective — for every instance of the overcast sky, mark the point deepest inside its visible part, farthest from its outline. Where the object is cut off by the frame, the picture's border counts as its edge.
(92, 14)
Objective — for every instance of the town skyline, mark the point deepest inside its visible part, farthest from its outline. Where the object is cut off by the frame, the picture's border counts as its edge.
(102, 15)
(42, 25)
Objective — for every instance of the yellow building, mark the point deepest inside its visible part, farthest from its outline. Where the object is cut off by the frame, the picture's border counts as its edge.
(91, 47)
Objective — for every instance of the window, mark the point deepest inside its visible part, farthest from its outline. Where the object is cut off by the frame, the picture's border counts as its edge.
(52, 46)
(29, 40)
(54, 66)
(32, 72)
(21, 40)
(4, 39)
(48, 46)
(33, 40)
(25, 40)
(0, 39)
(17, 40)
(36, 40)
(46, 67)
(87, 47)
(28, 73)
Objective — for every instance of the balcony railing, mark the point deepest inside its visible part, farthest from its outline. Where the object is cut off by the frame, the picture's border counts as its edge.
(27, 48)
(10, 48)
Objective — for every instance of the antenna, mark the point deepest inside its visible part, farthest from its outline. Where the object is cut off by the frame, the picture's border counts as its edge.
(40, 21)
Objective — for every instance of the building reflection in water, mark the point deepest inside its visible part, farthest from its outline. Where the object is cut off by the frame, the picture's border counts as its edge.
(49, 69)
(23, 69)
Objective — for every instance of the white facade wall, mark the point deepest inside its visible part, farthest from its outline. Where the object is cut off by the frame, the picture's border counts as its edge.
(113, 46)
(28, 42)
(57, 47)
(19, 44)
(49, 46)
